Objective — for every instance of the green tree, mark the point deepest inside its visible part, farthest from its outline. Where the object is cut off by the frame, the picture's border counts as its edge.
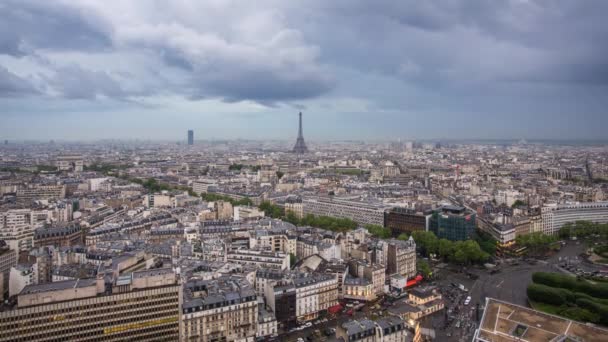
(292, 218)
(280, 174)
(271, 210)
(518, 203)
(426, 241)
(445, 248)
(423, 267)
(378, 231)
(292, 259)
(403, 237)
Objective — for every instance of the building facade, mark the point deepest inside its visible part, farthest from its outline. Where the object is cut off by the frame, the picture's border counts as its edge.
(142, 306)
(401, 258)
(360, 212)
(403, 220)
(555, 216)
(453, 223)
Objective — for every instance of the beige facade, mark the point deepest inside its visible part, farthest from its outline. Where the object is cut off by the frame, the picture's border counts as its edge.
(222, 310)
(142, 307)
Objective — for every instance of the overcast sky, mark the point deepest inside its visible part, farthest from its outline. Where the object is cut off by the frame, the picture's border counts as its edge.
(357, 69)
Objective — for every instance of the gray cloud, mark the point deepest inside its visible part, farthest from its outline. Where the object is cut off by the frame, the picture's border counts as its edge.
(475, 57)
(28, 24)
(12, 85)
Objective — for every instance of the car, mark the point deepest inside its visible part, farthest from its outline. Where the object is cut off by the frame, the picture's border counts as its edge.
(300, 339)
(467, 301)
(307, 325)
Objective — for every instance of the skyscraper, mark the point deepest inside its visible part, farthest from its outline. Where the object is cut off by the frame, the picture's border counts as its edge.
(300, 147)
(190, 137)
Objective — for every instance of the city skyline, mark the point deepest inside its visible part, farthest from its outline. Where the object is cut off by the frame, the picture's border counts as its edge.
(457, 70)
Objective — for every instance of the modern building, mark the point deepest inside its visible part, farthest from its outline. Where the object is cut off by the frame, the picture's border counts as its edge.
(190, 137)
(8, 259)
(404, 220)
(17, 228)
(35, 192)
(360, 212)
(453, 223)
(140, 306)
(281, 298)
(555, 216)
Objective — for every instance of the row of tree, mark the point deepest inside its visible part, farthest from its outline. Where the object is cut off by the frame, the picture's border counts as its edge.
(537, 243)
(211, 197)
(378, 231)
(239, 167)
(461, 252)
(583, 229)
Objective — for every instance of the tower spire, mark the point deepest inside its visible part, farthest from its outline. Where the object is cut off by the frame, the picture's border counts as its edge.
(300, 135)
(300, 146)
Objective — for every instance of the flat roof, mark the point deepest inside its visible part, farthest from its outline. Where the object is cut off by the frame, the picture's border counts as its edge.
(503, 321)
(58, 286)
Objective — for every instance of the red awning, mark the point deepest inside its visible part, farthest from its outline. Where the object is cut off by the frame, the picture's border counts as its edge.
(414, 281)
(335, 309)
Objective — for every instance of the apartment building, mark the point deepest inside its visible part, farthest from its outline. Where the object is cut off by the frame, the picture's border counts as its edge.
(140, 306)
(360, 212)
(259, 258)
(224, 309)
(375, 273)
(388, 329)
(314, 293)
(71, 235)
(359, 289)
(17, 228)
(401, 257)
(34, 192)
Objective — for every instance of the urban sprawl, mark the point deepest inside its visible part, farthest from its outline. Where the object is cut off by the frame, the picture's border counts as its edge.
(333, 241)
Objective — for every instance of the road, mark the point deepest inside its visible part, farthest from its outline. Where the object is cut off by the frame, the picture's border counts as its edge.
(511, 282)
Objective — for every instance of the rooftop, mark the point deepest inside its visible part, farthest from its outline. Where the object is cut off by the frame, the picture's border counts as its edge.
(505, 322)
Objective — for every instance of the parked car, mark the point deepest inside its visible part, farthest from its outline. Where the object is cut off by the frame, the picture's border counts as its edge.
(467, 301)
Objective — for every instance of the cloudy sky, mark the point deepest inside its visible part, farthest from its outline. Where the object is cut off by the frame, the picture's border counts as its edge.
(358, 69)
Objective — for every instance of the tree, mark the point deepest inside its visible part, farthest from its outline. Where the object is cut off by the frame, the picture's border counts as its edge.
(537, 243)
(403, 237)
(292, 218)
(423, 267)
(426, 241)
(445, 248)
(292, 259)
(378, 231)
(271, 210)
(280, 174)
(518, 203)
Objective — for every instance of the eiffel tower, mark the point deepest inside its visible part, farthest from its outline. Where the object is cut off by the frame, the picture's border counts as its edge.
(300, 147)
